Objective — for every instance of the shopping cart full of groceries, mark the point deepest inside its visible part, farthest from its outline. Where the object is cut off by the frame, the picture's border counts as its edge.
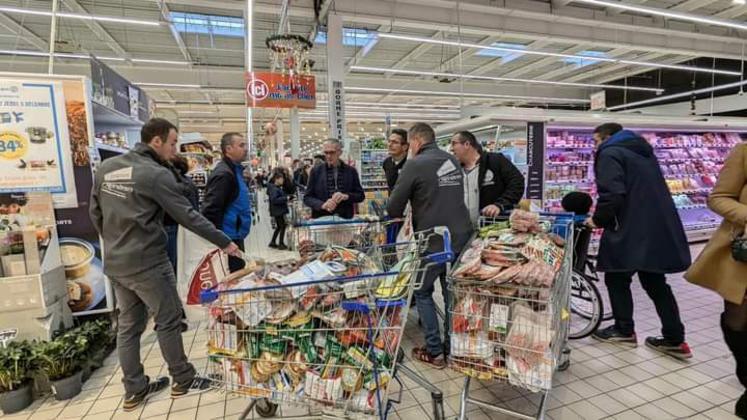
(318, 337)
(509, 299)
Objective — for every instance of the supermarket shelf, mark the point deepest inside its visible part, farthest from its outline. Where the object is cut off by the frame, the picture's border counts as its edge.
(695, 191)
(693, 206)
(691, 159)
(577, 163)
(111, 148)
(707, 146)
(571, 147)
(570, 182)
(680, 176)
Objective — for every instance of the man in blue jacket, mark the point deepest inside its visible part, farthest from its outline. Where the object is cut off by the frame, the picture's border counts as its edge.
(227, 201)
(334, 186)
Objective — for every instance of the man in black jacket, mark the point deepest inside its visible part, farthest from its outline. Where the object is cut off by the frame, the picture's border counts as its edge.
(227, 199)
(492, 183)
(643, 234)
(334, 187)
(433, 183)
(397, 156)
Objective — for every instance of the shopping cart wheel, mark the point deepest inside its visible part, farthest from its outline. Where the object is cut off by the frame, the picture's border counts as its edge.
(565, 360)
(265, 408)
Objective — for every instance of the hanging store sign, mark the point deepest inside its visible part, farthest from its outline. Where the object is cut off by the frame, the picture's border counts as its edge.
(277, 90)
(337, 110)
(598, 101)
(34, 143)
(535, 159)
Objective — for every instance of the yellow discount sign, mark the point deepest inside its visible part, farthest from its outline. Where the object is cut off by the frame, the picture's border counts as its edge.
(12, 145)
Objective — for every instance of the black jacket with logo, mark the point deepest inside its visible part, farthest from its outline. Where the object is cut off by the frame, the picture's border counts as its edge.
(501, 183)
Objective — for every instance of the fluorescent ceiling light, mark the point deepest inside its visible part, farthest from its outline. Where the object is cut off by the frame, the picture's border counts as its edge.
(467, 94)
(551, 54)
(679, 95)
(741, 2)
(146, 60)
(501, 79)
(41, 54)
(169, 85)
(80, 16)
(667, 13)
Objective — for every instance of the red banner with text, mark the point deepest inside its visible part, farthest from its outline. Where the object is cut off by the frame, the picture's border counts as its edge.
(277, 90)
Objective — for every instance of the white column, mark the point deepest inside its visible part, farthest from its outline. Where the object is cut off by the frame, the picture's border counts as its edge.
(335, 80)
(52, 37)
(295, 134)
(280, 141)
(248, 40)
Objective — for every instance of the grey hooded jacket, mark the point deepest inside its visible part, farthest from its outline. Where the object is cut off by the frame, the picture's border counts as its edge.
(128, 200)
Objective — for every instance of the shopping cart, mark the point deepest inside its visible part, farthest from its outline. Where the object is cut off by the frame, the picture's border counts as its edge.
(311, 236)
(512, 328)
(324, 340)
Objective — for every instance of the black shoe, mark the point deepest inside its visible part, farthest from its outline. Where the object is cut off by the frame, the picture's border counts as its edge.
(282, 247)
(153, 388)
(273, 246)
(740, 410)
(678, 351)
(612, 335)
(197, 385)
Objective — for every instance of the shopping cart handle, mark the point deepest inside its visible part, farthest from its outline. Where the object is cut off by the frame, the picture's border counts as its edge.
(208, 296)
(447, 255)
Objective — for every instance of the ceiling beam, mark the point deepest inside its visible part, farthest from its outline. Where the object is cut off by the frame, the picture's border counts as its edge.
(630, 72)
(24, 33)
(732, 12)
(499, 62)
(593, 74)
(166, 15)
(97, 29)
(362, 51)
(563, 70)
(414, 54)
(690, 5)
(454, 60)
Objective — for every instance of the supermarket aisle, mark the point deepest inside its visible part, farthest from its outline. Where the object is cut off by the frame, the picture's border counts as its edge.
(604, 381)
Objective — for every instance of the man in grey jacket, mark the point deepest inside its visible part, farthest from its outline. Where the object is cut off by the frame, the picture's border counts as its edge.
(128, 200)
(433, 182)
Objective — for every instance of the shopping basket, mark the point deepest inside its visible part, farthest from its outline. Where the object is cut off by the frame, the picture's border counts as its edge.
(323, 339)
(509, 297)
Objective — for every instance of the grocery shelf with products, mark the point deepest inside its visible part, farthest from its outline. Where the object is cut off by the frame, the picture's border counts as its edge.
(373, 180)
(200, 160)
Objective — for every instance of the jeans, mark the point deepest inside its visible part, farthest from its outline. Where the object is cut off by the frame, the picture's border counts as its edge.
(655, 285)
(278, 236)
(171, 231)
(153, 289)
(234, 263)
(427, 309)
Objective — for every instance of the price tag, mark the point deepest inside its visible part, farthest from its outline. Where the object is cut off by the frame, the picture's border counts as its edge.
(7, 336)
(12, 145)
(499, 317)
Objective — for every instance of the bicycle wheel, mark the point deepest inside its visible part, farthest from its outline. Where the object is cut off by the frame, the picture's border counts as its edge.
(586, 307)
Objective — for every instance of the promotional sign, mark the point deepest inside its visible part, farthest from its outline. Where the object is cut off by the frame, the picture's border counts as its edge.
(535, 159)
(206, 276)
(277, 90)
(34, 147)
(115, 92)
(337, 110)
(598, 100)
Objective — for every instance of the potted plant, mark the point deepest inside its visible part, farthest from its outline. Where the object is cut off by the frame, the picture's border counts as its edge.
(100, 339)
(62, 360)
(16, 366)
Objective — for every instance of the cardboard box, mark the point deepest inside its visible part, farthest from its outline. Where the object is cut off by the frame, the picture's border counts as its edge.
(31, 252)
(33, 291)
(14, 265)
(39, 323)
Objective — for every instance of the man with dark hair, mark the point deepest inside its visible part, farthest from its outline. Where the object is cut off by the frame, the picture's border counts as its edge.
(643, 234)
(433, 183)
(492, 183)
(128, 199)
(318, 160)
(227, 200)
(397, 145)
(334, 187)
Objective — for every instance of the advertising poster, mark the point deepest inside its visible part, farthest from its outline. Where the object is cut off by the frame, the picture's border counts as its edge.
(277, 90)
(535, 159)
(34, 148)
(88, 288)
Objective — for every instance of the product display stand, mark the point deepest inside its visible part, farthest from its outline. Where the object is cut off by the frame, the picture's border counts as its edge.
(373, 180)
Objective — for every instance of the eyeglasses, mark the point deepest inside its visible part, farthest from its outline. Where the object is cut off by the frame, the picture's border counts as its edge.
(330, 152)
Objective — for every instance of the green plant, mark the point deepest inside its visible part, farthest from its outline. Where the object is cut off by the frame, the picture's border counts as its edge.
(63, 356)
(98, 333)
(17, 362)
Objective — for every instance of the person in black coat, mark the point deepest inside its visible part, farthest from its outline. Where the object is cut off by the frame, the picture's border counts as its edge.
(179, 168)
(496, 187)
(643, 234)
(393, 164)
(278, 208)
(334, 187)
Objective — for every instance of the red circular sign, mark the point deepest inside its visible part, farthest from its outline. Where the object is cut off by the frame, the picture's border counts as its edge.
(257, 89)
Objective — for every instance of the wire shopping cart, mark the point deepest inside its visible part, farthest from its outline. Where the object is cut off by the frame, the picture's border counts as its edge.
(509, 307)
(324, 340)
(310, 236)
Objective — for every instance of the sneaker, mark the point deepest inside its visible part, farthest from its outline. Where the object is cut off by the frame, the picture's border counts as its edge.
(740, 409)
(612, 335)
(678, 351)
(282, 247)
(197, 385)
(154, 387)
(421, 354)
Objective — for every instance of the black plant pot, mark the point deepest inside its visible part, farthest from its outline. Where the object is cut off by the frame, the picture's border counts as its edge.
(64, 389)
(16, 400)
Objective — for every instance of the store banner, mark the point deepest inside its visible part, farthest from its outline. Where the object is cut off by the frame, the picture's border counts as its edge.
(598, 101)
(337, 110)
(278, 90)
(34, 148)
(535, 160)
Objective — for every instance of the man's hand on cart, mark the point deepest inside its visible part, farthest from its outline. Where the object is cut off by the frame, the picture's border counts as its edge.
(233, 250)
(339, 197)
(330, 205)
(491, 211)
(590, 223)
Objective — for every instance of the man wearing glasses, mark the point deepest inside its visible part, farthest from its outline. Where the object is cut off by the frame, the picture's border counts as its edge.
(334, 186)
(397, 156)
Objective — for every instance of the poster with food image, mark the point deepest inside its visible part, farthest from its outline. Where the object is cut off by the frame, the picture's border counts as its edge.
(35, 152)
(26, 223)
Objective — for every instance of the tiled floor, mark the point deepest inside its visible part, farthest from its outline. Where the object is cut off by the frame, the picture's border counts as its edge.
(603, 381)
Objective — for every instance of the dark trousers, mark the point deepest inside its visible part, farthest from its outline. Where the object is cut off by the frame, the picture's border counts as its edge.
(655, 285)
(171, 233)
(734, 327)
(278, 236)
(234, 263)
(152, 290)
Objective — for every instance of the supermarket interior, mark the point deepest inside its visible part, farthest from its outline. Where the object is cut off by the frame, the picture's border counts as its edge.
(348, 209)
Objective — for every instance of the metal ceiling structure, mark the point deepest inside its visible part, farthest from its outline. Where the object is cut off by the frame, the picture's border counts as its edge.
(541, 40)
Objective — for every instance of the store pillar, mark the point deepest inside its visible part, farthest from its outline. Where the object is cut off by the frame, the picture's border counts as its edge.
(295, 133)
(335, 81)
